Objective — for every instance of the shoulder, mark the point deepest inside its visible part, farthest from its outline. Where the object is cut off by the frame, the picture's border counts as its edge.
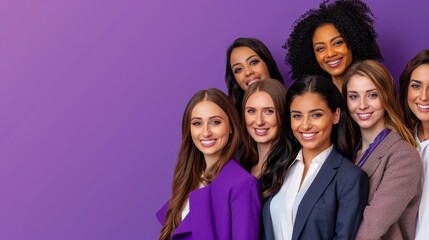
(393, 146)
(347, 168)
(233, 174)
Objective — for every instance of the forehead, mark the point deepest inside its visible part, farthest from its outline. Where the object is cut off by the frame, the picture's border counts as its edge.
(360, 83)
(207, 109)
(308, 101)
(240, 53)
(421, 73)
(260, 99)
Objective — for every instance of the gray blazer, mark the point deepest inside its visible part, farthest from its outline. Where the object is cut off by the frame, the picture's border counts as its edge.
(394, 169)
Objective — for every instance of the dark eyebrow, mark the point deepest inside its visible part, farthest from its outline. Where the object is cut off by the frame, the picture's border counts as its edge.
(417, 81)
(370, 90)
(247, 59)
(198, 118)
(333, 39)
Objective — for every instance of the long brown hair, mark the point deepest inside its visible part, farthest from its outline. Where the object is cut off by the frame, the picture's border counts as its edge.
(386, 89)
(276, 90)
(421, 58)
(190, 162)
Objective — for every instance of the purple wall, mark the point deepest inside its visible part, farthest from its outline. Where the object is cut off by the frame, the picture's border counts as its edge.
(92, 93)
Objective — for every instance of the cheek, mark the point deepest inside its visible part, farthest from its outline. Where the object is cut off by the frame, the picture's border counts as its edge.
(248, 119)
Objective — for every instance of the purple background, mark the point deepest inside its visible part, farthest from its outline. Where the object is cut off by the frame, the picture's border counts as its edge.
(92, 95)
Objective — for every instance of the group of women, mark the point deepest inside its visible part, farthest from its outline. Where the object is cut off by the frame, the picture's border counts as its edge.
(333, 156)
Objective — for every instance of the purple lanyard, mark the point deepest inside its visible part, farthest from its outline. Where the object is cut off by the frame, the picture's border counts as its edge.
(371, 147)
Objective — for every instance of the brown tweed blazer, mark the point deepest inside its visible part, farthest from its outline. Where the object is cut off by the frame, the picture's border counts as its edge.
(394, 169)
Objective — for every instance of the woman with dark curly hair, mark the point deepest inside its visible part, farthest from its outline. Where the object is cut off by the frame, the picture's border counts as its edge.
(325, 41)
(248, 60)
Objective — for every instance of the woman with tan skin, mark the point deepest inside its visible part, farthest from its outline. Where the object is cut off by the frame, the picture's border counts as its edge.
(325, 41)
(263, 108)
(385, 150)
(310, 188)
(248, 60)
(414, 95)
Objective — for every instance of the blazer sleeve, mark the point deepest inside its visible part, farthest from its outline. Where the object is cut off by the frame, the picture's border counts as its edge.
(398, 187)
(245, 210)
(352, 202)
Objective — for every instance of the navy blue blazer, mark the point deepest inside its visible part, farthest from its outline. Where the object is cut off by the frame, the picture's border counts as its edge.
(333, 205)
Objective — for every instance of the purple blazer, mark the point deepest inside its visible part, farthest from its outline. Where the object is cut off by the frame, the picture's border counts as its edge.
(228, 208)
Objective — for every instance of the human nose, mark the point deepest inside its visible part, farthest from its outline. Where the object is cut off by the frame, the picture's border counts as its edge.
(306, 124)
(260, 119)
(207, 131)
(363, 104)
(331, 51)
(424, 94)
(248, 71)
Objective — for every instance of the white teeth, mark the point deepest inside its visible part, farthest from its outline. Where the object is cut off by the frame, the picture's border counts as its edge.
(364, 115)
(207, 142)
(334, 62)
(261, 130)
(308, 135)
(423, 106)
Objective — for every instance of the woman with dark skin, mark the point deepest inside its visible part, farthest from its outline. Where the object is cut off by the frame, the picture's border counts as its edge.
(327, 40)
(248, 60)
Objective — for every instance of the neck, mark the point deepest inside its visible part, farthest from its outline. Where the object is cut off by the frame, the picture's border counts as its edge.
(262, 157)
(338, 82)
(423, 131)
(368, 137)
(210, 161)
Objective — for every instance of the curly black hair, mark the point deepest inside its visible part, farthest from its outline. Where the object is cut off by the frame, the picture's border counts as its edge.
(353, 19)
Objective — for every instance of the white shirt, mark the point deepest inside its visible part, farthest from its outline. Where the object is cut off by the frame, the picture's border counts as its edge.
(285, 203)
(422, 231)
(185, 209)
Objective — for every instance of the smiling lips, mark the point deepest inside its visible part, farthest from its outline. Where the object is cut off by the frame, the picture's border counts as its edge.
(334, 63)
(250, 81)
(208, 142)
(423, 107)
(261, 131)
(364, 116)
(308, 135)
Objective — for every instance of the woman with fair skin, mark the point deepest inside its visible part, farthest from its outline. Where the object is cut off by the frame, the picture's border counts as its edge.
(311, 190)
(248, 60)
(213, 197)
(384, 149)
(414, 82)
(325, 41)
(263, 107)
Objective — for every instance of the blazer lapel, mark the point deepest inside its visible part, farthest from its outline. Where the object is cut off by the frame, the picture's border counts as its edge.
(316, 189)
(268, 232)
(202, 217)
(373, 159)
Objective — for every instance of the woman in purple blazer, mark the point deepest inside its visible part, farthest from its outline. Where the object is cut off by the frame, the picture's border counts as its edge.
(212, 196)
(385, 150)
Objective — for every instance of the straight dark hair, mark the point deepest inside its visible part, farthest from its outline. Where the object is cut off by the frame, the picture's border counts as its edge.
(286, 150)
